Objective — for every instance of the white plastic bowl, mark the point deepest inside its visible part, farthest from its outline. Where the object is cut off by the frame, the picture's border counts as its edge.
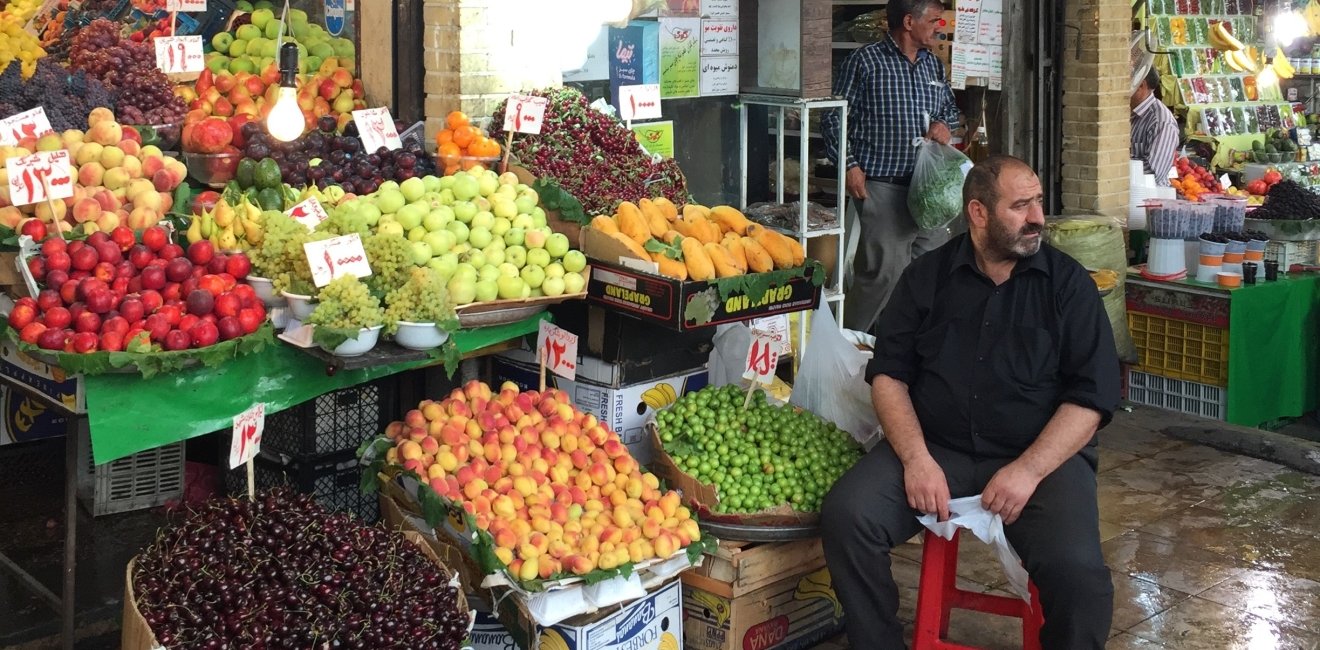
(419, 336)
(301, 306)
(366, 340)
(265, 289)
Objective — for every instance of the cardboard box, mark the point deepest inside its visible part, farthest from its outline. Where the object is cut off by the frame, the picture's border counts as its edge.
(623, 282)
(50, 382)
(774, 596)
(599, 391)
(643, 350)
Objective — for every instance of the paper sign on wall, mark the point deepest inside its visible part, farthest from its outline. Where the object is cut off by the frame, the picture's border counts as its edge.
(28, 124)
(331, 258)
(639, 102)
(309, 213)
(376, 129)
(185, 5)
(176, 54)
(762, 359)
(719, 38)
(246, 441)
(680, 57)
(719, 8)
(559, 347)
(524, 114)
(719, 76)
(31, 177)
(656, 137)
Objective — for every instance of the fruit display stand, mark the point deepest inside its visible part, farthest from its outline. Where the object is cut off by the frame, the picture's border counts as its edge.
(1249, 355)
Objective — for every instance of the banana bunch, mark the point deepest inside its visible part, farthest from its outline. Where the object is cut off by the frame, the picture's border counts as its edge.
(660, 396)
(1282, 66)
(1222, 39)
(1312, 16)
(228, 227)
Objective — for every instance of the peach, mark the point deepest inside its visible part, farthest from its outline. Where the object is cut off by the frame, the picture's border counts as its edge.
(433, 412)
(155, 202)
(439, 485)
(414, 466)
(409, 450)
(91, 174)
(136, 188)
(133, 166)
(116, 178)
(10, 216)
(474, 488)
(431, 447)
(130, 147)
(107, 132)
(165, 180)
(151, 165)
(504, 555)
(88, 152)
(98, 115)
(529, 569)
(176, 167)
(447, 460)
(434, 471)
(86, 209)
(45, 213)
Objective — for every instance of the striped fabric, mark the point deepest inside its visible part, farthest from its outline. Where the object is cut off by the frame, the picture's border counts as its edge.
(889, 100)
(1154, 138)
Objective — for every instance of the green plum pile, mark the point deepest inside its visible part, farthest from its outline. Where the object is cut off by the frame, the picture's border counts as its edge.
(346, 303)
(760, 457)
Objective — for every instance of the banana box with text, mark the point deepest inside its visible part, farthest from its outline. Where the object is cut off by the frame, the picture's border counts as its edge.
(651, 623)
(599, 391)
(631, 285)
(47, 381)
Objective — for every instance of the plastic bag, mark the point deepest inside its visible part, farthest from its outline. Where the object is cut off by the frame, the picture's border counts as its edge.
(935, 195)
(831, 382)
(1097, 243)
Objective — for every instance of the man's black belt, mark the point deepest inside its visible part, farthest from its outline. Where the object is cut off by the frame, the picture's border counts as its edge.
(894, 180)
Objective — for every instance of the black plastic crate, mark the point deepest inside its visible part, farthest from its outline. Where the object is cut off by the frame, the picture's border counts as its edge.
(333, 423)
(333, 481)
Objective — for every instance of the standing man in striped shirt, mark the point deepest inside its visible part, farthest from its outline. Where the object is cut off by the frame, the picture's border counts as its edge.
(1154, 129)
(897, 91)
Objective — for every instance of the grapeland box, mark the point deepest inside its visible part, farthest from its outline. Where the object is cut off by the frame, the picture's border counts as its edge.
(632, 286)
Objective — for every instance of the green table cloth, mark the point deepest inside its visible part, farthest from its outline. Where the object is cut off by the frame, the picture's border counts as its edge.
(1274, 350)
(128, 414)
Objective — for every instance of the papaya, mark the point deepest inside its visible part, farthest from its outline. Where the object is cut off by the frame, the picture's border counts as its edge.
(735, 246)
(699, 266)
(666, 207)
(670, 267)
(692, 209)
(656, 221)
(758, 260)
(774, 244)
(685, 228)
(799, 254)
(670, 236)
(633, 247)
(725, 265)
(605, 224)
(702, 228)
(730, 219)
(631, 222)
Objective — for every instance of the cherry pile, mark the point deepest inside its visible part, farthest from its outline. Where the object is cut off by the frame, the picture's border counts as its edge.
(282, 572)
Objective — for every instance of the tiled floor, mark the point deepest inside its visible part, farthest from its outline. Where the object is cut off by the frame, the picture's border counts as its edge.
(1209, 550)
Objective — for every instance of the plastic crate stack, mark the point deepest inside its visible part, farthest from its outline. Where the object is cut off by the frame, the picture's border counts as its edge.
(1183, 366)
(313, 447)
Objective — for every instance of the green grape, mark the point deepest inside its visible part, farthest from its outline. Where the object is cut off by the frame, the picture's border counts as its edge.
(390, 259)
(268, 259)
(345, 303)
(422, 299)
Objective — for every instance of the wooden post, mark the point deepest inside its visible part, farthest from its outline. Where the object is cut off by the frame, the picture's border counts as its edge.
(541, 354)
(251, 481)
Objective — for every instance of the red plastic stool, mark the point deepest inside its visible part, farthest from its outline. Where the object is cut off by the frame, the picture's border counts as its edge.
(937, 595)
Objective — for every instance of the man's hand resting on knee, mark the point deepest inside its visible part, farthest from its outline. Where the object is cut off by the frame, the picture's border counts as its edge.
(1009, 490)
(927, 489)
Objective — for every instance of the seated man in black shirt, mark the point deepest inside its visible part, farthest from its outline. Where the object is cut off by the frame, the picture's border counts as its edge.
(993, 370)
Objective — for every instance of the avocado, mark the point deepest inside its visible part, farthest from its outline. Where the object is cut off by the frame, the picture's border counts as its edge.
(1269, 148)
(246, 173)
(1256, 145)
(270, 199)
(268, 174)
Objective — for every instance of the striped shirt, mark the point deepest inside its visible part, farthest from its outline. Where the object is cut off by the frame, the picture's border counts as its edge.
(891, 100)
(1154, 138)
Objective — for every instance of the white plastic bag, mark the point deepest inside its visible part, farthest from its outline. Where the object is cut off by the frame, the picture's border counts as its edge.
(935, 195)
(831, 382)
(728, 355)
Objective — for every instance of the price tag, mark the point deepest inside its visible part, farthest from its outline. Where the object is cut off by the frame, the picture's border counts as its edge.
(560, 348)
(376, 129)
(27, 173)
(246, 441)
(762, 359)
(176, 54)
(639, 102)
(524, 114)
(185, 5)
(309, 213)
(775, 327)
(28, 124)
(331, 258)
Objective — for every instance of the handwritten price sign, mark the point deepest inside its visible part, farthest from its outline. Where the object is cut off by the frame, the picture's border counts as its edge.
(34, 178)
(246, 441)
(176, 54)
(28, 124)
(185, 5)
(762, 359)
(376, 129)
(776, 328)
(331, 258)
(559, 348)
(639, 102)
(524, 114)
(309, 213)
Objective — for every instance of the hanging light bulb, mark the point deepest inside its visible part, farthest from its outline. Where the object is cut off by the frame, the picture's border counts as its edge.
(285, 121)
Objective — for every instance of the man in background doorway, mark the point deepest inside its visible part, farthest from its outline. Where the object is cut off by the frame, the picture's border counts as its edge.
(897, 91)
(1154, 129)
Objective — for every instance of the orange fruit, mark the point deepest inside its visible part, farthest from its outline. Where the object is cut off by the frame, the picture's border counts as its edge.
(444, 137)
(484, 147)
(449, 152)
(464, 135)
(456, 119)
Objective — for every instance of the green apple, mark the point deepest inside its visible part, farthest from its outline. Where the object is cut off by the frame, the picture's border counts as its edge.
(524, 221)
(557, 245)
(488, 272)
(388, 186)
(460, 231)
(432, 183)
(416, 234)
(437, 218)
(494, 254)
(444, 265)
(487, 184)
(221, 41)
(538, 217)
(466, 187)
(475, 257)
(508, 178)
(389, 228)
(538, 257)
(482, 203)
(447, 197)
(446, 182)
(536, 237)
(248, 32)
(509, 270)
(441, 241)
(553, 286)
(573, 283)
(555, 270)
(467, 271)
(511, 288)
(527, 291)
(536, 293)
(514, 237)
(497, 242)
(487, 290)
(421, 252)
(525, 204)
(369, 214)
(464, 211)
(483, 219)
(516, 255)
(410, 216)
(413, 189)
(479, 236)
(504, 208)
(501, 226)
(460, 248)
(533, 275)
(574, 261)
(462, 290)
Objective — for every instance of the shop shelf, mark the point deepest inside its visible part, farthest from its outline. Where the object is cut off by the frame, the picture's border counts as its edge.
(334, 422)
(1190, 397)
(334, 482)
(143, 480)
(1287, 253)
(1179, 349)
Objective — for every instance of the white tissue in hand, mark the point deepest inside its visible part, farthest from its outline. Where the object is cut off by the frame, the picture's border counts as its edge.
(988, 527)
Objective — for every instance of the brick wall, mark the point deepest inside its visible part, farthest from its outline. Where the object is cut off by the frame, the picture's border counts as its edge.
(1095, 107)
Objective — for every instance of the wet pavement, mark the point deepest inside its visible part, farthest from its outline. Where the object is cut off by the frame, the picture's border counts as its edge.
(1209, 550)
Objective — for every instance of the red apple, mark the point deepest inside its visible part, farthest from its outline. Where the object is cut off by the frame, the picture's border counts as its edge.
(100, 301)
(115, 324)
(87, 322)
(69, 292)
(104, 271)
(172, 293)
(125, 270)
(172, 313)
(153, 277)
(47, 299)
(177, 340)
(155, 238)
(53, 245)
(217, 264)
(204, 333)
(157, 325)
(201, 302)
(123, 237)
(251, 319)
(140, 256)
(132, 310)
(97, 238)
(57, 318)
(37, 267)
(186, 323)
(201, 252)
(85, 258)
(151, 300)
(178, 270)
(58, 260)
(120, 287)
(229, 328)
(53, 339)
(31, 332)
(22, 315)
(112, 341)
(213, 284)
(228, 304)
(56, 279)
(84, 342)
(34, 228)
(171, 251)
